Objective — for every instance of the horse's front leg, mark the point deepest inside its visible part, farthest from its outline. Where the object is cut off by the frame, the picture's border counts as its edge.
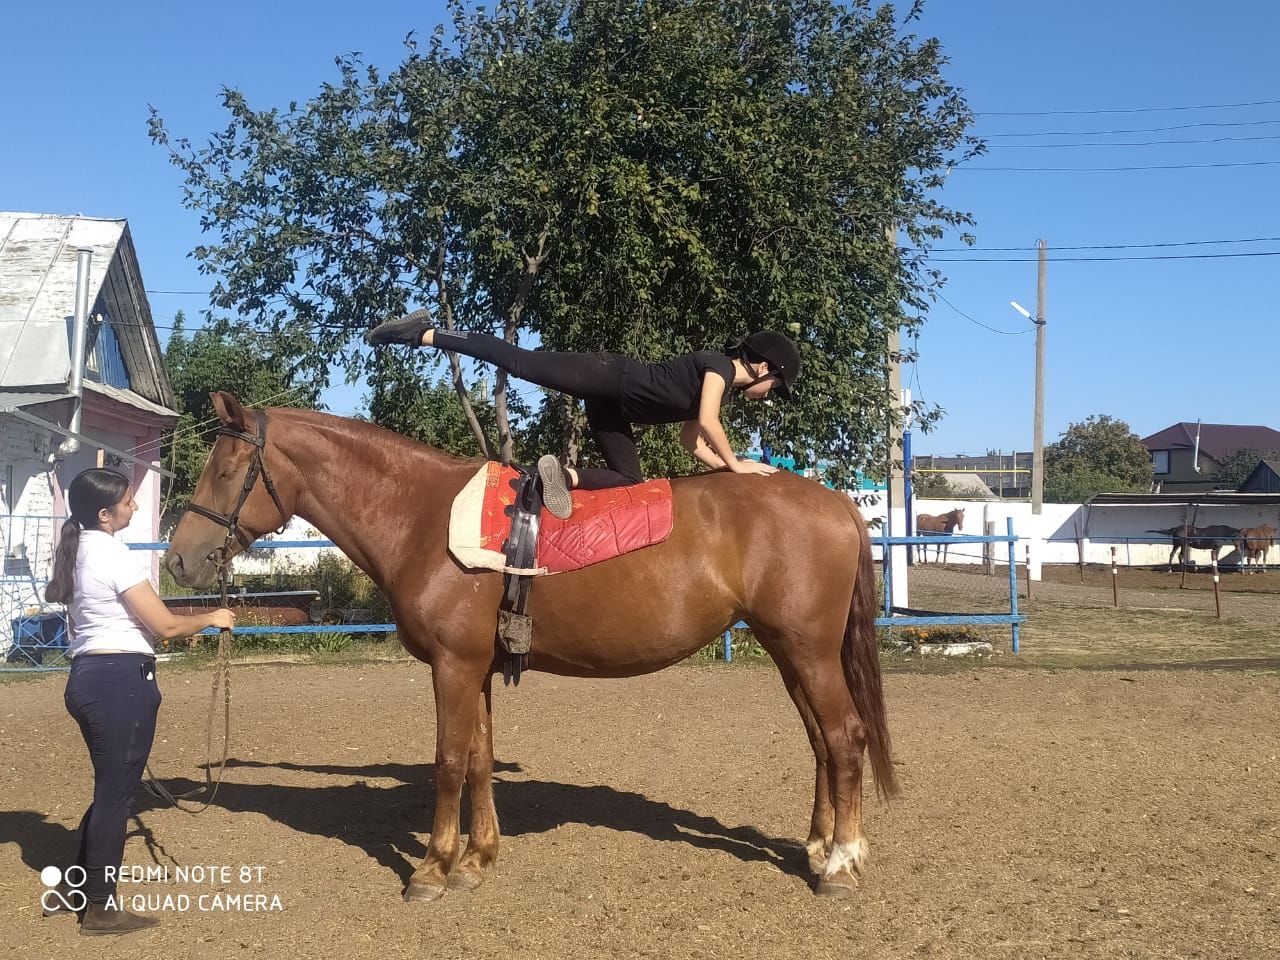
(482, 838)
(458, 687)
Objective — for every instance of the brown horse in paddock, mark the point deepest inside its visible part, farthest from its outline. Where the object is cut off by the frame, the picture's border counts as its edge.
(1254, 543)
(944, 524)
(787, 555)
(1186, 539)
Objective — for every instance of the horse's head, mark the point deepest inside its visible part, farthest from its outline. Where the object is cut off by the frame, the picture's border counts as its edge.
(958, 515)
(235, 501)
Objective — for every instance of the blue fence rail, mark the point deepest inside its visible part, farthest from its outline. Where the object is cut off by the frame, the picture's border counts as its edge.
(890, 619)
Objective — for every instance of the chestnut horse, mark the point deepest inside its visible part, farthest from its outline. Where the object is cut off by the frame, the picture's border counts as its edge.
(787, 555)
(1254, 543)
(943, 524)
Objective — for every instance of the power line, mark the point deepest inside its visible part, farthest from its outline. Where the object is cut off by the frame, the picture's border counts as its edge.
(1065, 113)
(1129, 143)
(1174, 166)
(1155, 256)
(1104, 133)
(1101, 246)
(1007, 333)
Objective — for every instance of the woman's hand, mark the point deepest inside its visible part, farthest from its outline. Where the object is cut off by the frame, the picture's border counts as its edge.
(223, 619)
(753, 466)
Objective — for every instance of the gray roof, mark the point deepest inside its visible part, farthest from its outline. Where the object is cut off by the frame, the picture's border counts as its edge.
(37, 301)
(17, 399)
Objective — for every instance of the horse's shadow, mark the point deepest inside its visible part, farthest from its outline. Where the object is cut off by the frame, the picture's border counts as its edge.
(379, 818)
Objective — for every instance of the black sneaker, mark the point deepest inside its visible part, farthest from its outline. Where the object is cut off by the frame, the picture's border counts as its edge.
(407, 329)
(555, 491)
(101, 920)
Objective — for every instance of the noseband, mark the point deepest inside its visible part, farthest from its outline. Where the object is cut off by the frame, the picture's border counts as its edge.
(256, 467)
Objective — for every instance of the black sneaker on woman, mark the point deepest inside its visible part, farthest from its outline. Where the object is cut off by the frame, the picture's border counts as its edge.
(407, 329)
(555, 490)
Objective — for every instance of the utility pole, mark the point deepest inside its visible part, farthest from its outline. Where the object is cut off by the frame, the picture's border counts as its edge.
(1037, 454)
(897, 478)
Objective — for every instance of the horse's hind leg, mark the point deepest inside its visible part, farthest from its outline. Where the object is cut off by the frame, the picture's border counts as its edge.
(457, 687)
(815, 677)
(822, 824)
(828, 694)
(482, 838)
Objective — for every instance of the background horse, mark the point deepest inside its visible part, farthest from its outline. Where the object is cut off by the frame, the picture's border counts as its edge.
(942, 523)
(1254, 543)
(787, 555)
(1186, 539)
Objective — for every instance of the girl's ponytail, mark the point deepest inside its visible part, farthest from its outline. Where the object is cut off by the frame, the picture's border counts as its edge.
(60, 585)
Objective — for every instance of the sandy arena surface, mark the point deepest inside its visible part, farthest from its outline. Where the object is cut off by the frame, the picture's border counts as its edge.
(1072, 813)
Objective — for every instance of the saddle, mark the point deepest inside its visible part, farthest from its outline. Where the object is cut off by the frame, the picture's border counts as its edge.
(497, 523)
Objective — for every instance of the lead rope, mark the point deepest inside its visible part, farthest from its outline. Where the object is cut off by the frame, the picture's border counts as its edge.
(221, 677)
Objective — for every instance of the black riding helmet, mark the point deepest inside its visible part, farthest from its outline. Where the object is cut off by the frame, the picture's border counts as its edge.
(779, 352)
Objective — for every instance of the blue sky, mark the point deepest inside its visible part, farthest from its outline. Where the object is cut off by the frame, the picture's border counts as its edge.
(1151, 342)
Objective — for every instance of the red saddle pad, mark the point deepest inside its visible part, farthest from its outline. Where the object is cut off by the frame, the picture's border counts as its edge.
(605, 523)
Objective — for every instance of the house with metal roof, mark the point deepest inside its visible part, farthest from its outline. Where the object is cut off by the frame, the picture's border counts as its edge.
(1185, 456)
(81, 383)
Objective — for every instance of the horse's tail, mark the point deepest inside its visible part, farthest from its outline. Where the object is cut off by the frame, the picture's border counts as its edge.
(860, 656)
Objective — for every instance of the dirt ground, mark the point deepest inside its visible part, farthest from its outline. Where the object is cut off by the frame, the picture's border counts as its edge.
(1074, 813)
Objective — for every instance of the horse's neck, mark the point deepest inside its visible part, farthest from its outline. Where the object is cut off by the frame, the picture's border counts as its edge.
(345, 483)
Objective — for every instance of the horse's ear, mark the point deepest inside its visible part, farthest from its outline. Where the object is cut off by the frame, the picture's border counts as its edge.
(229, 410)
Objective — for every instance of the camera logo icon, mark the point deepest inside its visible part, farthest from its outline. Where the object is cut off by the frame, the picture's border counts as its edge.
(63, 889)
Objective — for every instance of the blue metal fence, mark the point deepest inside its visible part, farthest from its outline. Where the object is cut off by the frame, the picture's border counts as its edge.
(890, 619)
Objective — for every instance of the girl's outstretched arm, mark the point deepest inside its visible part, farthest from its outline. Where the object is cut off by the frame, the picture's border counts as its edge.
(713, 388)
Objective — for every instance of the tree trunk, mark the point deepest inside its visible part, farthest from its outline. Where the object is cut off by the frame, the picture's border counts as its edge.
(455, 366)
(532, 264)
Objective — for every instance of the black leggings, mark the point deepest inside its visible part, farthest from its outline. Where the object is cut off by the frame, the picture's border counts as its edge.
(114, 698)
(594, 378)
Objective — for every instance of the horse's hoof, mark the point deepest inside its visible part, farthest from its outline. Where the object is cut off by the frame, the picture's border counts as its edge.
(836, 891)
(422, 893)
(464, 880)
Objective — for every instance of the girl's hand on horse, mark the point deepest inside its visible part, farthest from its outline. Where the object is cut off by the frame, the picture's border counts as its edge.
(753, 466)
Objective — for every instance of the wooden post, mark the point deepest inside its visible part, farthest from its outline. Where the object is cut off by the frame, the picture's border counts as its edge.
(1115, 580)
(988, 548)
(1080, 555)
(1217, 597)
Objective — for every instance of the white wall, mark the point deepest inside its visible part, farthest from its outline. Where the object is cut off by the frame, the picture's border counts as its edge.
(26, 523)
(1101, 528)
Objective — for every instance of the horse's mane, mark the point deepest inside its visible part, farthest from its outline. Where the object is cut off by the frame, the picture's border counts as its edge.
(371, 434)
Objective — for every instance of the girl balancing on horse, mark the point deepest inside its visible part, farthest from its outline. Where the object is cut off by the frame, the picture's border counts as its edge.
(619, 392)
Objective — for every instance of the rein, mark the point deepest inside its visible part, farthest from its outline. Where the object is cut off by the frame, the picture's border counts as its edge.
(222, 671)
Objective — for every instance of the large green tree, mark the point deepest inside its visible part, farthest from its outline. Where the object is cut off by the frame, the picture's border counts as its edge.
(1099, 455)
(219, 356)
(606, 174)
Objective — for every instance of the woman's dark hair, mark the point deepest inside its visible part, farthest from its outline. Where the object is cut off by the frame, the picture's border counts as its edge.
(91, 491)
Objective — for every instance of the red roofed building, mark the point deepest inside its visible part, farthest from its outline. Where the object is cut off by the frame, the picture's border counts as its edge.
(1174, 452)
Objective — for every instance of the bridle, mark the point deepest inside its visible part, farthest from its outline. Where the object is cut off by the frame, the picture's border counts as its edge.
(256, 466)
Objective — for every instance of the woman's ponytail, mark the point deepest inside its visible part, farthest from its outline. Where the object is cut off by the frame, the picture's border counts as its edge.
(60, 585)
